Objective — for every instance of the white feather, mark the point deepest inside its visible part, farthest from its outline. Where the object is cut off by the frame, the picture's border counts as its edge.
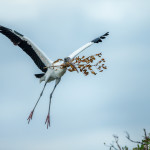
(75, 53)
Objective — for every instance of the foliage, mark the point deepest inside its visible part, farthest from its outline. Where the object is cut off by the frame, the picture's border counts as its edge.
(144, 144)
(86, 65)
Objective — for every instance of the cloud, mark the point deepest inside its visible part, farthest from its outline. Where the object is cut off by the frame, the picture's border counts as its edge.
(112, 11)
(105, 10)
(12, 11)
(59, 27)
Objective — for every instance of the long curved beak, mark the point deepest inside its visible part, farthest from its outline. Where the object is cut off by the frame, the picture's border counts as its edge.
(74, 66)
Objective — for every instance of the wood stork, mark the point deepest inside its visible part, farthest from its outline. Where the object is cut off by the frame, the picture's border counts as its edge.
(49, 73)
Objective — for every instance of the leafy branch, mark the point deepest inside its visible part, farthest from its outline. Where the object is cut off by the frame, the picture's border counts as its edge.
(144, 144)
(87, 65)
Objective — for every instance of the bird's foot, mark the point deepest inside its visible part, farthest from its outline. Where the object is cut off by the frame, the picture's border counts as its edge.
(47, 121)
(30, 116)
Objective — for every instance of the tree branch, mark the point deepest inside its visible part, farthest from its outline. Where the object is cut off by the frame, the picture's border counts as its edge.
(128, 137)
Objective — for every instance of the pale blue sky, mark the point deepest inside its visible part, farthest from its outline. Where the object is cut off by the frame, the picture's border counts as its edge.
(85, 111)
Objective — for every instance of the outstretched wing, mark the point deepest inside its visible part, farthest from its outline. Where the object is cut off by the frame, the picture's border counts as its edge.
(39, 58)
(97, 40)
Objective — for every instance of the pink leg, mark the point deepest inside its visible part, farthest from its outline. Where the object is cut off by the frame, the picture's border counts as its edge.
(48, 115)
(31, 114)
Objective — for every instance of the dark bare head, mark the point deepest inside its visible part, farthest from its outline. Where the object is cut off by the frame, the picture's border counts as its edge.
(67, 60)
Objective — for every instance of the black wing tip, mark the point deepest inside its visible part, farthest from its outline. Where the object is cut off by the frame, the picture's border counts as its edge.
(99, 39)
(2, 28)
(18, 33)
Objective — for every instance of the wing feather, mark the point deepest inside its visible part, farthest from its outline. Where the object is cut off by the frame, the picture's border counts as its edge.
(97, 40)
(37, 55)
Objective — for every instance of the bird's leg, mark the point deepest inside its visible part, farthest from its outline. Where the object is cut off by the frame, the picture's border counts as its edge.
(31, 114)
(48, 116)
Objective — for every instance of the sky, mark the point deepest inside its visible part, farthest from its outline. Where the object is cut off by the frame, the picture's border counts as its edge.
(85, 111)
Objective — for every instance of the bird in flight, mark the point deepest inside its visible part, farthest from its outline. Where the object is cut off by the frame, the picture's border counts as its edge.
(51, 70)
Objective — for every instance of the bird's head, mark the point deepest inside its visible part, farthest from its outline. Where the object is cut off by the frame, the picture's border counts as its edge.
(68, 62)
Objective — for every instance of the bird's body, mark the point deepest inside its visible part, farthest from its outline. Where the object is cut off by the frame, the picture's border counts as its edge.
(51, 70)
(55, 72)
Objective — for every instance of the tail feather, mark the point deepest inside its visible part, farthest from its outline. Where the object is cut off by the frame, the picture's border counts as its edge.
(39, 75)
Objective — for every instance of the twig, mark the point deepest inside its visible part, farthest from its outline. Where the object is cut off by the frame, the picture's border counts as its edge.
(65, 65)
(128, 137)
(145, 133)
(111, 146)
(146, 138)
(54, 66)
(116, 140)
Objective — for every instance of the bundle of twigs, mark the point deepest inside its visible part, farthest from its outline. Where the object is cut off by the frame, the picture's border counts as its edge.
(86, 65)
